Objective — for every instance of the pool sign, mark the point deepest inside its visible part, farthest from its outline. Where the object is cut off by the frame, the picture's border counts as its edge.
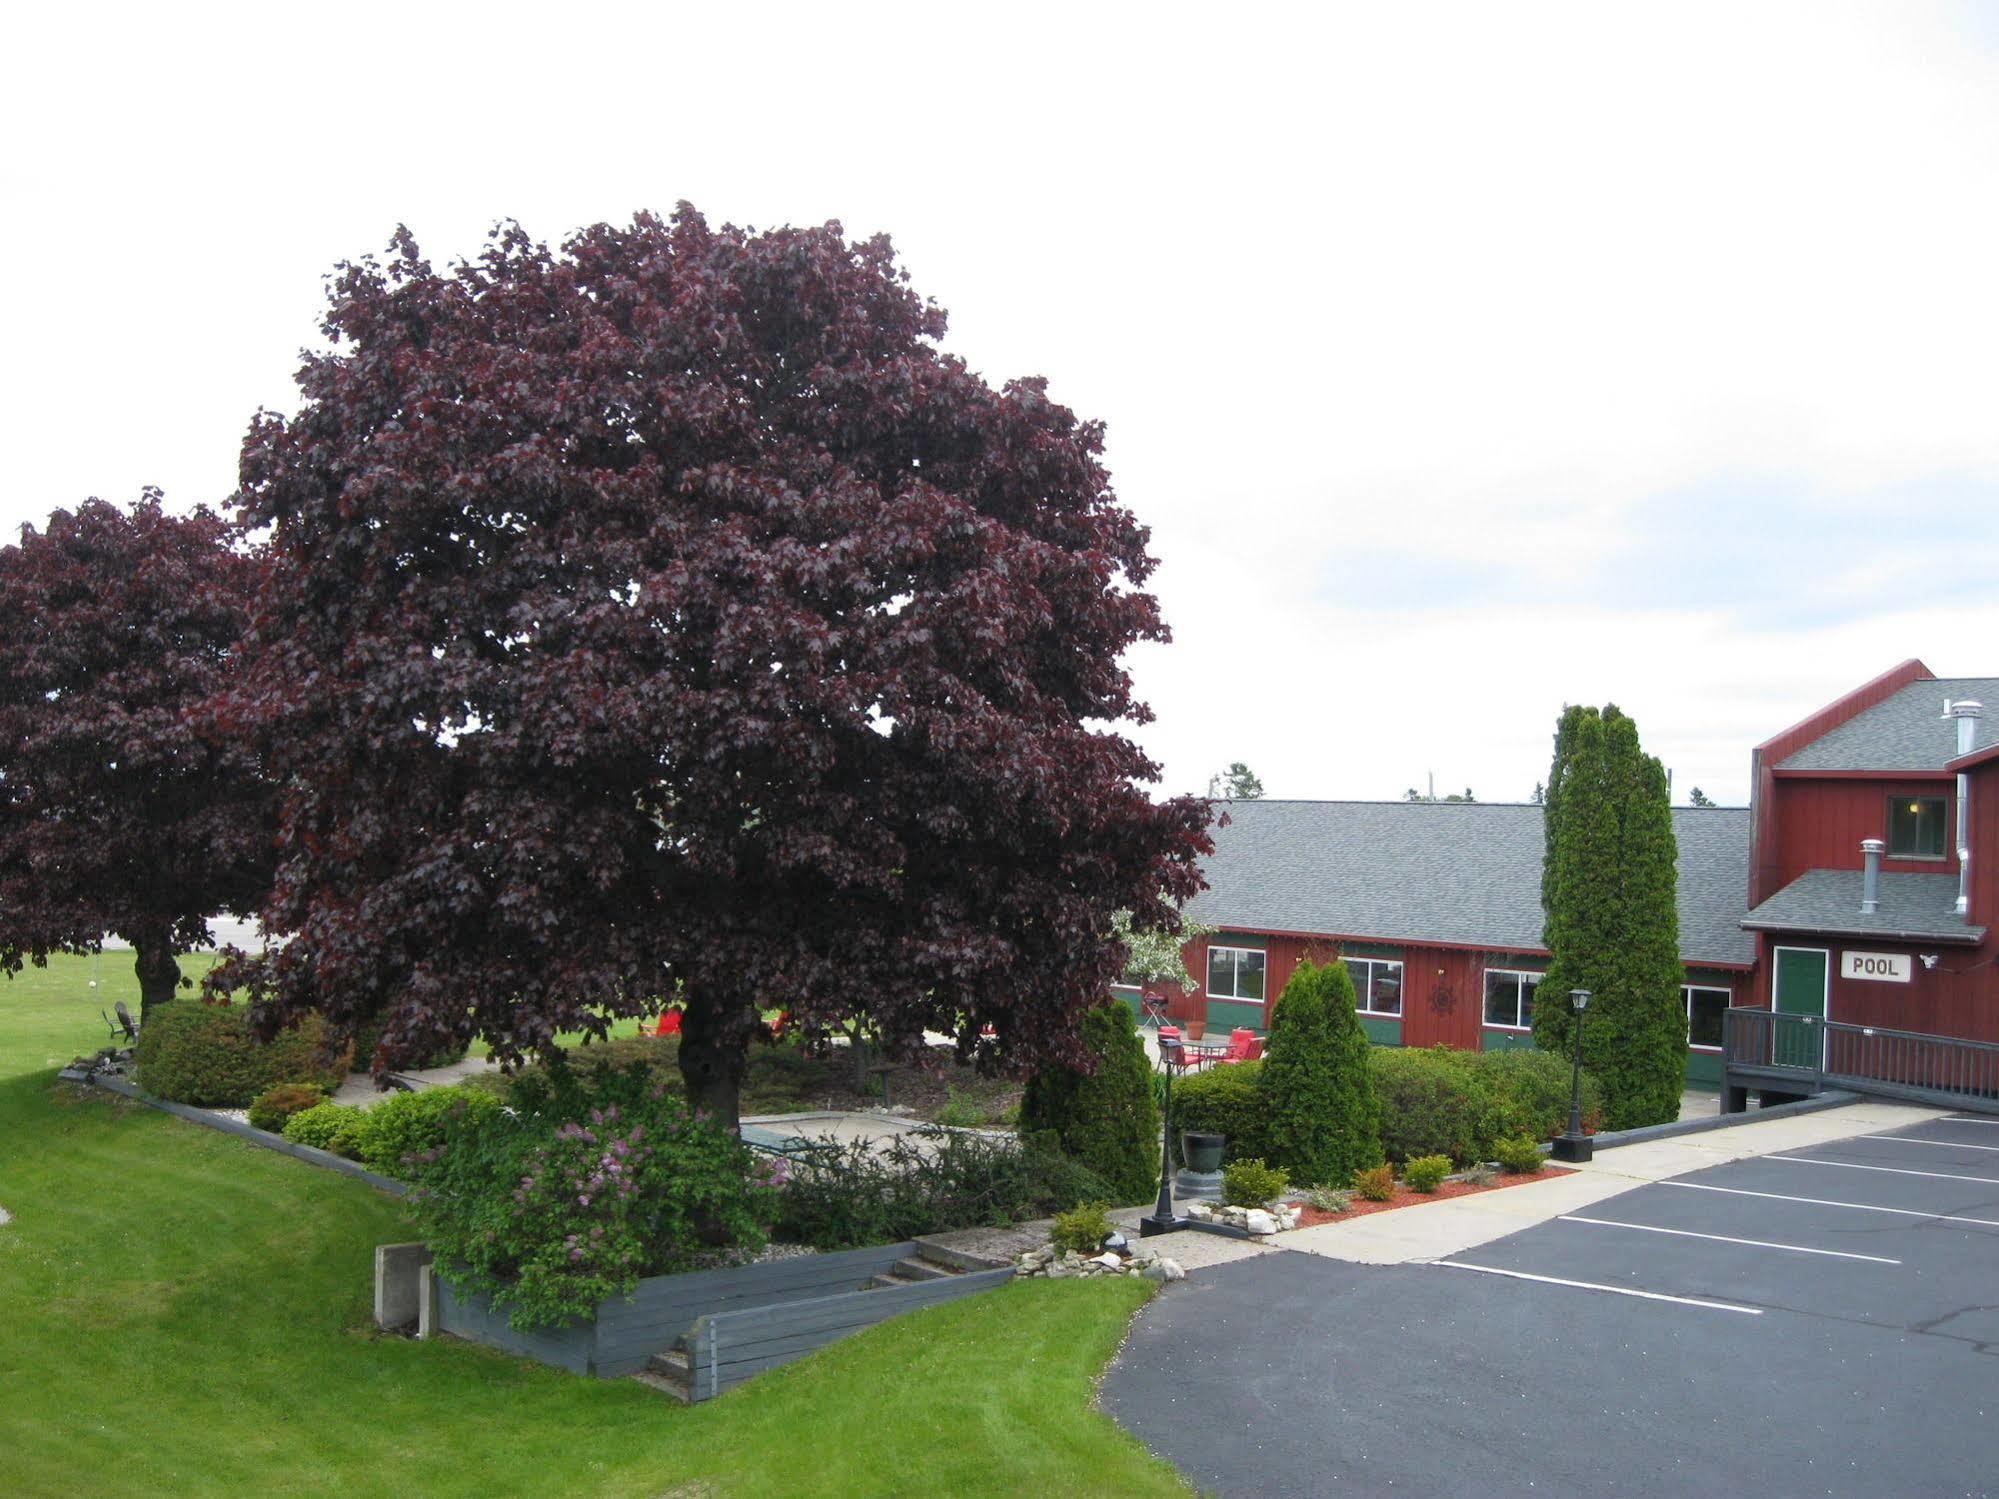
(1882, 967)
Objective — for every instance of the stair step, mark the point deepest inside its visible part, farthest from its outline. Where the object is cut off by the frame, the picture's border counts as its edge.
(884, 1282)
(914, 1267)
(675, 1389)
(957, 1259)
(673, 1364)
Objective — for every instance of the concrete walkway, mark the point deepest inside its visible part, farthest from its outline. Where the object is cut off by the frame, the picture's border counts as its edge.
(1438, 1230)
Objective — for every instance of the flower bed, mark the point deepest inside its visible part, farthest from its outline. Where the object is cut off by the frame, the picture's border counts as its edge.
(1406, 1196)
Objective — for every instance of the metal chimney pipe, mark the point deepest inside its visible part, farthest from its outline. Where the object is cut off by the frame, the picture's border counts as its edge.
(1871, 850)
(1967, 713)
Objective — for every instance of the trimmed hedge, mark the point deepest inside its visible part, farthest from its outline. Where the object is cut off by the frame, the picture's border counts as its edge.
(1105, 1120)
(195, 1053)
(1434, 1101)
(1225, 1101)
(407, 1124)
(337, 1127)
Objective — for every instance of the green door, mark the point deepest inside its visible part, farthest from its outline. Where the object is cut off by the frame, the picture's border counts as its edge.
(1799, 989)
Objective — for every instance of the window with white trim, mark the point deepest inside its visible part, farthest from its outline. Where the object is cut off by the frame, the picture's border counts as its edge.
(1377, 985)
(1235, 973)
(1509, 998)
(1705, 1008)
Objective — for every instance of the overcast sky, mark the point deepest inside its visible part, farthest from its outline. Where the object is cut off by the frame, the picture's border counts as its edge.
(1464, 361)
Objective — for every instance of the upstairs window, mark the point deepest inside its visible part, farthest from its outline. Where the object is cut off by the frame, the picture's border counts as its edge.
(1915, 827)
(1377, 985)
(1509, 998)
(1235, 973)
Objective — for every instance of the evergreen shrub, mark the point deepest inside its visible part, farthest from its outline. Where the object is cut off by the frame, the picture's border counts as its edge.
(1426, 1173)
(404, 1124)
(1105, 1119)
(272, 1107)
(1517, 1153)
(204, 1054)
(335, 1127)
(1435, 1101)
(1081, 1230)
(1321, 1120)
(1376, 1184)
(1251, 1183)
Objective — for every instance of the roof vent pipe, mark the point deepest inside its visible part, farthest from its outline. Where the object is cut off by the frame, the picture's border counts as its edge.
(1967, 712)
(1871, 850)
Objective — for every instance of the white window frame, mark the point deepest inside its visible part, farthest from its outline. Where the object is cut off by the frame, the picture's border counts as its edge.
(1232, 998)
(1363, 998)
(1687, 994)
(1516, 973)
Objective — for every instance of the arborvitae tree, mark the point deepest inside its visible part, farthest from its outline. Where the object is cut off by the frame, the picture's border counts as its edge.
(1612, 926)
(1321, 1120)
(1105, 1119)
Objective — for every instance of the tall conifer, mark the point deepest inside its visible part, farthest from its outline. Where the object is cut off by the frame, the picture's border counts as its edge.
(1612, 918)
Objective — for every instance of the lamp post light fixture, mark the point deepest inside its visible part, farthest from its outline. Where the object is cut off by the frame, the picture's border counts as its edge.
(1575, 1145)
(1162, 1219)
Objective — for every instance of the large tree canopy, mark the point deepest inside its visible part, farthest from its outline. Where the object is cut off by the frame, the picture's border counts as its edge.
(667, 614)
(117, 815)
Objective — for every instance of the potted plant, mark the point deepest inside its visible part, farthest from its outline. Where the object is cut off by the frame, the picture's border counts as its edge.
(1196, 1029)
(1202, 1151)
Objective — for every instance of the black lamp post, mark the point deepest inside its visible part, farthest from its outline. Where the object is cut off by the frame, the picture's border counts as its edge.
(1575, 1145)
(1163, 1220)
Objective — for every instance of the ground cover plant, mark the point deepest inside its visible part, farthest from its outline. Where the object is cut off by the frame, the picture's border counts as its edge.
(218, 1266)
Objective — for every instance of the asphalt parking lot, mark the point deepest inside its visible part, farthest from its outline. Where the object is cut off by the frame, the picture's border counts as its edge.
(1819, 1321)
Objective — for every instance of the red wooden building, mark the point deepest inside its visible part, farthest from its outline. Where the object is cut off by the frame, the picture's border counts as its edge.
(1436, 906)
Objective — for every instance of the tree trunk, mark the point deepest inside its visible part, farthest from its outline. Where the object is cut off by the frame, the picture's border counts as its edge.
(712, 1063)
(159, 974)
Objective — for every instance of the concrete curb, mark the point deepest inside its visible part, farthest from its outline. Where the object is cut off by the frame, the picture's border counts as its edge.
(321, 1158)
(1832, 1098)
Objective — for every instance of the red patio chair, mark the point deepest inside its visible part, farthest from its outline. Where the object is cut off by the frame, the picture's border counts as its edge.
(669, 1024)
(1243, 1046)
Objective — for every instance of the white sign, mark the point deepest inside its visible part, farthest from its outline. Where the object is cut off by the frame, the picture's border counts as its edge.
(1881, 967)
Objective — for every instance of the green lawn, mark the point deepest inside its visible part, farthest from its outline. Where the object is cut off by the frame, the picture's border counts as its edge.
(183, 1313)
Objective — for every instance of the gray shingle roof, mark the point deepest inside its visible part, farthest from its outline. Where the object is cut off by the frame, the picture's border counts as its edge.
(1827, 901)
(1443, 872)
(1904, 731)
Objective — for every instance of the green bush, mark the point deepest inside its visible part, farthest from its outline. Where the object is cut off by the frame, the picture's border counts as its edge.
(551, 1211)
(1104, 1118)
(272, 1107)
(404, 1124)
(1518, 1154)
(959, 1112)
(203, 1054)
(1224, 1101)
(1081, 1230)
(1533, 1087)
(1426, 1173)
(843, 1196)
(1250, 1183)
(1321, 1121)
(1376, 1184)
(338, 1127)
(1434, 1102)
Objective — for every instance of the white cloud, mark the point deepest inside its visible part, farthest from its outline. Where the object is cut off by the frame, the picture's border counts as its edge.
(1382, 304)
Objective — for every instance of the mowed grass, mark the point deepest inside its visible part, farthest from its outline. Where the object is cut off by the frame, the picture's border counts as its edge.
(183, 1313)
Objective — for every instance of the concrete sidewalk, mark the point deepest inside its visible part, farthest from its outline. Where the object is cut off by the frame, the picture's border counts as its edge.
(1437, 1230)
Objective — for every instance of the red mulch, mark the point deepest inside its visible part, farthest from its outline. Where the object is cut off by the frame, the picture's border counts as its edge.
(1311, 1217)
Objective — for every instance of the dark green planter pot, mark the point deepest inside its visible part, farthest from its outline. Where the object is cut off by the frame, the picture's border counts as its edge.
(1201, 1151)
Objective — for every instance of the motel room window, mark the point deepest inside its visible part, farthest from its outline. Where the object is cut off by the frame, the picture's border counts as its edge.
(1705, 1008)
(1235, 973)
(1377, 985)
(1509, 998)
(1915, 827)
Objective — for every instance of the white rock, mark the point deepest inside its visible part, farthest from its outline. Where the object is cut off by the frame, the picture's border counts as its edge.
(1109, 1261)
(1200, 1211)
(1257, 1221)
(1172, 1269)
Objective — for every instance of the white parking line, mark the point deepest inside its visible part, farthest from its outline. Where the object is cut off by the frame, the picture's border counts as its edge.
(1940, 1144)
(1947, 1176)
(1965, 1119)
(1590, 1285)
(1687, 1233)
(1823, 1202)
